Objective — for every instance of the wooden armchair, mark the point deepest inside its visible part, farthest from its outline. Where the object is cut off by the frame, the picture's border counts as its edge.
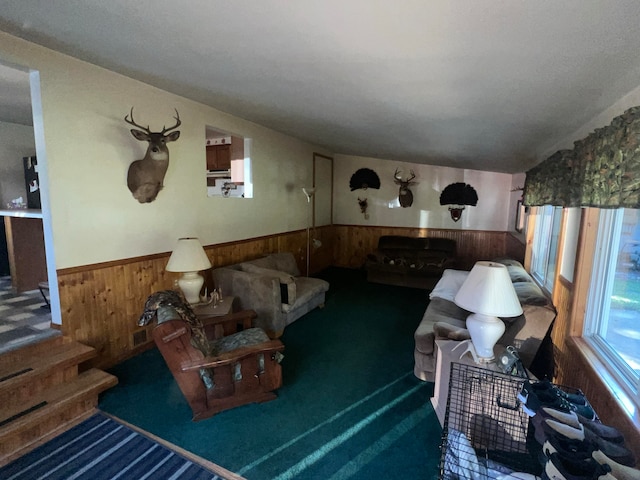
(241, 365)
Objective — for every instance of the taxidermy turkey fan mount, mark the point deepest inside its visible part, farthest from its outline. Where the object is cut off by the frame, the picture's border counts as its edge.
(364, 178)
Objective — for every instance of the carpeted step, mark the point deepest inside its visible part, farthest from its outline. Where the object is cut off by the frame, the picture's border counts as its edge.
(51, 412)
(26, 373)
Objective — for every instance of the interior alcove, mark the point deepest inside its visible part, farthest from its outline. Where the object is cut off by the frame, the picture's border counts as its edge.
(228, 164)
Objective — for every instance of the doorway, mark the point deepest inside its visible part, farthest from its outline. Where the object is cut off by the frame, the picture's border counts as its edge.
(24, 315)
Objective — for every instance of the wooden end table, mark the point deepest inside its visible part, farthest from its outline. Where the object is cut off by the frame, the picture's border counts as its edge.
(223, 307)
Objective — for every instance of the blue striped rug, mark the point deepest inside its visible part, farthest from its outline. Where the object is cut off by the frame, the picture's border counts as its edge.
(102, 448)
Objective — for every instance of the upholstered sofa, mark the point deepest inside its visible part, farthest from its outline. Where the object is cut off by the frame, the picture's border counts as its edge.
(410, 261)
(273, 288)
(443, 319)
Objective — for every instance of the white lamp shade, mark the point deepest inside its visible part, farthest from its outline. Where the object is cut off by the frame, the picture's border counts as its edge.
(188, 256)
(488, 293)
(488, 290)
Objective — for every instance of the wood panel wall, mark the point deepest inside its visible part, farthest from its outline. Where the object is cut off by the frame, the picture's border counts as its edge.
(355, 242)
(101, 303)
(576, 367)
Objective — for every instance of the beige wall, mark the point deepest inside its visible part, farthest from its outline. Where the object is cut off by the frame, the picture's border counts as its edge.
(493, 211)
(89, 148)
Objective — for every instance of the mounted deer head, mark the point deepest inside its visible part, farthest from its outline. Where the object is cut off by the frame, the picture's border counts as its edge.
(405, 197)
(146, 176)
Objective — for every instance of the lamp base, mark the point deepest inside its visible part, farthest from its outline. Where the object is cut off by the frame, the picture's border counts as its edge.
(467, 347)
(485, 331)
(191, 283)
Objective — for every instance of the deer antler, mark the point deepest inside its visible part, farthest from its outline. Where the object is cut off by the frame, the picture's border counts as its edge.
(133, 122)
(400, 180)
(178, 123)
(129, 119)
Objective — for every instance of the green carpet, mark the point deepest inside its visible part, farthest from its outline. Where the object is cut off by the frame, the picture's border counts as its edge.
(350, 406)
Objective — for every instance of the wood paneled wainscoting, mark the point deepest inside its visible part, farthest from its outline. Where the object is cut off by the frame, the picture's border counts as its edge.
(101, 303)
(355, 242)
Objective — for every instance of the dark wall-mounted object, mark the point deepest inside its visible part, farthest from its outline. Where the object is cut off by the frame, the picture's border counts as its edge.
(364, 178)
(4, 252)
(32, 182)
(458, 194)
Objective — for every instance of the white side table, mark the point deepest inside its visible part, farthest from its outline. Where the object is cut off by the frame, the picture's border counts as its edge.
(444, 357)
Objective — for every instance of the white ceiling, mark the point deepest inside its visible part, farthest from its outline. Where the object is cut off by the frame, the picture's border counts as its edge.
(482, 84)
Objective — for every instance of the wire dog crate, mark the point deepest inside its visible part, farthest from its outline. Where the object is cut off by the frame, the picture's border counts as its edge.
(485, 430)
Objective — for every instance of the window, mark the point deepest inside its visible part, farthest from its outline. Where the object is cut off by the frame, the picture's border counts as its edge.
(228, 164)
(612, 320)
(545, 245)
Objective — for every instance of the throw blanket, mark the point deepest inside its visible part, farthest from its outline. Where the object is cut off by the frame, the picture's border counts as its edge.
(176, 301)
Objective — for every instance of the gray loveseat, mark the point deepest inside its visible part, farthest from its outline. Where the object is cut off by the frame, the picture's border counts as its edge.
(443, 319)
(273, 288)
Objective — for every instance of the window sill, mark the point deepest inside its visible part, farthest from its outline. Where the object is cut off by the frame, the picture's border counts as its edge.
(617, 392)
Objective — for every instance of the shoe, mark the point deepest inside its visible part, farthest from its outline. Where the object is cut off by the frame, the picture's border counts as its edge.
(543, 430)
(558, 469)
(621, 472)
(567, 449)
(614, 451)
(605, 432)
(545, 386)
(536, 400)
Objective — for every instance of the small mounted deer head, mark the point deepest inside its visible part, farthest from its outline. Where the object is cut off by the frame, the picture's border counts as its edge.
(405, 197)
(146, 176)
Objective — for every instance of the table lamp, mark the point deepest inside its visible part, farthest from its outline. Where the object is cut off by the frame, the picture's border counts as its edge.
(488, 293)
(189, 258)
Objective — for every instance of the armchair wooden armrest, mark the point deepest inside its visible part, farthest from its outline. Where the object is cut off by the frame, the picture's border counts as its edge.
(232, 356)
(215, 383)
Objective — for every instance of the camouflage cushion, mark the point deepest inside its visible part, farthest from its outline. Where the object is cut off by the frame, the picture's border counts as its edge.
(251, 336)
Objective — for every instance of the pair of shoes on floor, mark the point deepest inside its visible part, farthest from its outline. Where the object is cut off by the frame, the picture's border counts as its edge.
(598, 467)
(577, 443)
(558, 468)
(546, 387)
(575, 420)
(535, 396)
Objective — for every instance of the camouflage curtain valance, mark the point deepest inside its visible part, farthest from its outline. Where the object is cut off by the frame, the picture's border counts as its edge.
(602, 170)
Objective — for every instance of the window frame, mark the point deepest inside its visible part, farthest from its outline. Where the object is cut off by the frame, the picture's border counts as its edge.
(548, 223)
(599, 293)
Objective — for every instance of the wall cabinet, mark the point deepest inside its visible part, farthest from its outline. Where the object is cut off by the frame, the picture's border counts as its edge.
(218, 157)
